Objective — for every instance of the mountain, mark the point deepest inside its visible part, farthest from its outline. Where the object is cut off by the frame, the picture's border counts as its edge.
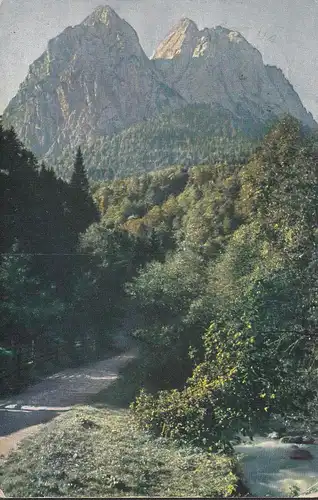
(219, 66)
(27, 25)
(193, 135)
(93, 80)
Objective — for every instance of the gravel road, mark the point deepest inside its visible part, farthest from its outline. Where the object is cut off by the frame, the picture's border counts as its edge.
(58, 393)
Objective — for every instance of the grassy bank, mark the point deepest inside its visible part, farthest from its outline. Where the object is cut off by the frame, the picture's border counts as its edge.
(99, 452)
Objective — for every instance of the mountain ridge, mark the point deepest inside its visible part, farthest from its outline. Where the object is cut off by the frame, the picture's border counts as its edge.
(220, 65)
(94, 80)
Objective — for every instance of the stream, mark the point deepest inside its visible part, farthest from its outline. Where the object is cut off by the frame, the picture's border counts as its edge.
(269, 471)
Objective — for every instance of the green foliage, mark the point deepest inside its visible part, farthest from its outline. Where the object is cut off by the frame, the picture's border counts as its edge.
(261, 295)
(78, 179)
(196, 134)
(169, 293)
(217, 266)
(81, 200)
(107, 258)
(24, 300)
(27, 308)
(194, 208)
(40, 221)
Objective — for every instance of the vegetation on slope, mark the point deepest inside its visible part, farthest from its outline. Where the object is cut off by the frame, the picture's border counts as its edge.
(196, 134)
(214, 268)
(60, 298)
(255, 303)
(40, 222)
(59, 303)
(92, 452)
(194, 207)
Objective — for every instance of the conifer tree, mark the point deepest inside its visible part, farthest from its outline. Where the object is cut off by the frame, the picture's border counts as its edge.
(79, 179)
(84, 211)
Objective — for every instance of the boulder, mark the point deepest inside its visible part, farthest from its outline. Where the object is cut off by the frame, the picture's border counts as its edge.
(308, 440)
(292, 439)
(300, 454)
(273, 435)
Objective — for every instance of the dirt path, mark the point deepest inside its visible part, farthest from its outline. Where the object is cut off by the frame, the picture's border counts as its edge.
(22, 415)
(266, 466)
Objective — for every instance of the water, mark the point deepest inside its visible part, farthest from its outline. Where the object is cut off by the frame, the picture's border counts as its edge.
(269, 471)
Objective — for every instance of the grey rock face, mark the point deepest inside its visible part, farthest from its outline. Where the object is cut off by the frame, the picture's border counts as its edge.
(219, 66)
(93, 80)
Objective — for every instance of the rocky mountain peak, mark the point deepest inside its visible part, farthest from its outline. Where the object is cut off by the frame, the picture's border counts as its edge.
(178, 40)
(102, 14)
(105, 19)
(104, 25)
(186, 24)
(186, 40)
(219, 66)
(93, 80)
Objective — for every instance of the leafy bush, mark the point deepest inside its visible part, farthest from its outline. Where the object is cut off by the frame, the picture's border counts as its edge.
(261, 294)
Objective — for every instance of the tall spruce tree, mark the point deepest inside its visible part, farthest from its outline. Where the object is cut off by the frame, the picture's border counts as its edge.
(84, 211)
(41, 217)
(79, 179)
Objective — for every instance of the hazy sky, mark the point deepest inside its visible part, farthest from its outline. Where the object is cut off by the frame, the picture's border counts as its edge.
(285, 31)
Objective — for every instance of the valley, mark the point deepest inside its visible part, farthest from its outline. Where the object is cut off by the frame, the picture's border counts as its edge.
(158, 269)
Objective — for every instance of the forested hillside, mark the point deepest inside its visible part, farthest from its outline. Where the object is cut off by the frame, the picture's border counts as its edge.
(58, 303)
(233, 304)
(41, 218)
(194, 135)
(214, 266)
(254, 300)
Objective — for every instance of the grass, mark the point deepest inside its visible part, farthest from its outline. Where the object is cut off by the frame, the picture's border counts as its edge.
(100, 452)
(112, 457)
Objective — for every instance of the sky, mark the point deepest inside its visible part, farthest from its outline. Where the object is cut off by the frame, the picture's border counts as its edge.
(284, 31)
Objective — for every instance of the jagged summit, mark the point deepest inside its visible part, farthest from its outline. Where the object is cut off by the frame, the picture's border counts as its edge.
(185, 39)
(95, 80)
(102, 14)
(103, 24)
(187, 23)
(219, 66)
(178, 39)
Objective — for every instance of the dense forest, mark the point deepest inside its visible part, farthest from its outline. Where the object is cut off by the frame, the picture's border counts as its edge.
(215, 266)
(196, 134)
(58, 300)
